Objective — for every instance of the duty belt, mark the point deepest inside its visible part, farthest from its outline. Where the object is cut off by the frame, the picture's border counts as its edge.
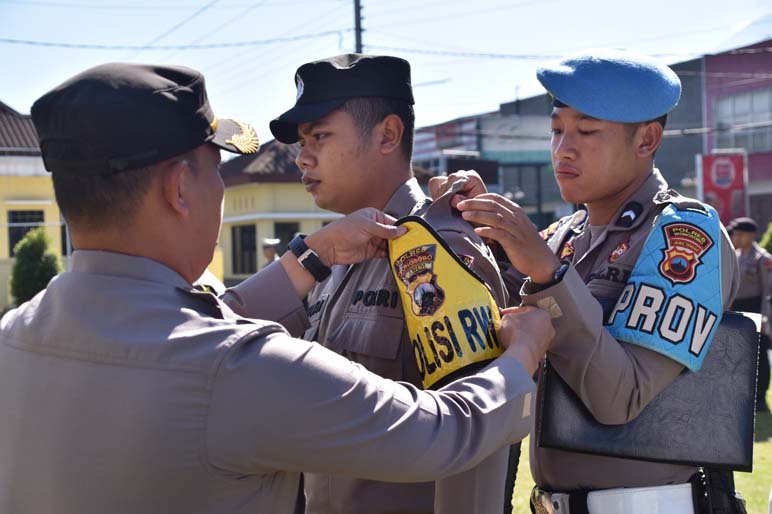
(666, 499)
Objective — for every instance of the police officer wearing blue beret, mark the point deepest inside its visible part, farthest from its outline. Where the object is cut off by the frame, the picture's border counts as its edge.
(636, 281)
(126, 389)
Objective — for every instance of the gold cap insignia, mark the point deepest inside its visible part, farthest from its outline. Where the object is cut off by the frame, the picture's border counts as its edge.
(247, 141)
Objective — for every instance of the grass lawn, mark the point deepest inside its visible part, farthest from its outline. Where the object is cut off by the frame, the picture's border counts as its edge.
(753, 486)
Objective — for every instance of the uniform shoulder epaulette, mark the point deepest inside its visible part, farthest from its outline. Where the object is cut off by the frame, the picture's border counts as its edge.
(682, 203)
(206, 298)
(569, 222)
(576, 220)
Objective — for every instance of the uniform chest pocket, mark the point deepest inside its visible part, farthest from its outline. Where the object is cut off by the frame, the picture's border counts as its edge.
(374, 342)
(606, 293)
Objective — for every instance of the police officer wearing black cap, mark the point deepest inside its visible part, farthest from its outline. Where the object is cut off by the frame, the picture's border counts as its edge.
(354, 120)
(126, 389)
(755, 293)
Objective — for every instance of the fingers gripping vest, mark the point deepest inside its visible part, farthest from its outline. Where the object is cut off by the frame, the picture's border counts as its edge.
(451, 316)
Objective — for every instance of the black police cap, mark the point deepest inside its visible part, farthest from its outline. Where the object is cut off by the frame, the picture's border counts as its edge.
(120, 116)
(325, 85)
(743, 224)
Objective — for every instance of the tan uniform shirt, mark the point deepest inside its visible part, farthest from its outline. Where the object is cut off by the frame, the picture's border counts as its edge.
(756, 280)
(614, 380)
(124, 391)
(357, 313)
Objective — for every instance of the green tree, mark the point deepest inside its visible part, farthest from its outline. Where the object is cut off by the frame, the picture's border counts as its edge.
(34, 266)
(766, 239)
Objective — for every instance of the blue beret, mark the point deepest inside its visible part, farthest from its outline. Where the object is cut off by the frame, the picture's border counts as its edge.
(613, 85)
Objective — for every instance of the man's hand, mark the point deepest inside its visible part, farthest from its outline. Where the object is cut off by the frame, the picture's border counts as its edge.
(473, 185)
(526, 333)
(505, 222)
(359, 236)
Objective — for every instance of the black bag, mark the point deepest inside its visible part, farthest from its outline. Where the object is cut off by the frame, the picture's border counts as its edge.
(701, 419)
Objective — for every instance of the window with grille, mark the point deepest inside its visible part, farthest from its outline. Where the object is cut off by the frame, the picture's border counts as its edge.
(744, 120)
(244, 238)
(285, 231)
(19, 223)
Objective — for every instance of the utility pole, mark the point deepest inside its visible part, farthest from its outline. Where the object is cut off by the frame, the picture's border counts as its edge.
(358, 25)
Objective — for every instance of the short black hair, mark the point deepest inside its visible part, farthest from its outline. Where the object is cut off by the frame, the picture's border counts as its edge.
(97, 201)
(369, 111)
(109, 199)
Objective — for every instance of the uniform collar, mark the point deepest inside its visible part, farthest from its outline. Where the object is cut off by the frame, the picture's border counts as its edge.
(128, 266)
(404, 199)
(637, 206)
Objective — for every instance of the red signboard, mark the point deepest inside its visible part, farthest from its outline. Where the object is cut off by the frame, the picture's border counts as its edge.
(725, 184)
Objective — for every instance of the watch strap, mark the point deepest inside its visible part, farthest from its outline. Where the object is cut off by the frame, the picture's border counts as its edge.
(531, 287)
(308, 258)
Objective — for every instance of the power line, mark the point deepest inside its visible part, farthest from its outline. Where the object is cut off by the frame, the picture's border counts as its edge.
(465, 13)
(248, 73)
(203, 9)
(433, 82)
(491, 55)
(216, 30)
(270, 57)
(138, 7)
(233, 44)
(434, 44)
(449, 53)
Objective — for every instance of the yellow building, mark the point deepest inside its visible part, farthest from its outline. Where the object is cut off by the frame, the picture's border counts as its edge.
(264, 199)
(26, 194)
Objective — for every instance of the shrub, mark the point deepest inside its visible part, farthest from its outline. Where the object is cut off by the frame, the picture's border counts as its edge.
(34, 266)
(766, 239)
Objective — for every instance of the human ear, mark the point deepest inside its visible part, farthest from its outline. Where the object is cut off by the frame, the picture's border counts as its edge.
(391, 131)
(648, 139)
(175, 186)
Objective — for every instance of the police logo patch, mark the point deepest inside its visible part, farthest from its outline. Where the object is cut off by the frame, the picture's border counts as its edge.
(567, 251)
(618, 252)
(415, 269)
(686, 243)
(549, 231)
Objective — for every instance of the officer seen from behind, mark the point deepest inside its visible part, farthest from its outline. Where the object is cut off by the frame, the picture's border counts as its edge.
(125, 389)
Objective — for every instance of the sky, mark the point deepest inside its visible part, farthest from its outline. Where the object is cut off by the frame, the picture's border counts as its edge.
(467, 57)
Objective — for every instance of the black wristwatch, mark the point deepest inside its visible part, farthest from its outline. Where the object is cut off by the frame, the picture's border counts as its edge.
(559, 273)
(308, 258)
(532, 287)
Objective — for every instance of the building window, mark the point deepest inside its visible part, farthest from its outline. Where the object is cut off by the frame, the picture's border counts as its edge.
(66, 242)
(744, 120)
(244, 239)
(285, 232)
(19, 223)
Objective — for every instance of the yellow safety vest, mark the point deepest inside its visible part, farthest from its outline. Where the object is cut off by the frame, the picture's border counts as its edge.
(451, 316)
